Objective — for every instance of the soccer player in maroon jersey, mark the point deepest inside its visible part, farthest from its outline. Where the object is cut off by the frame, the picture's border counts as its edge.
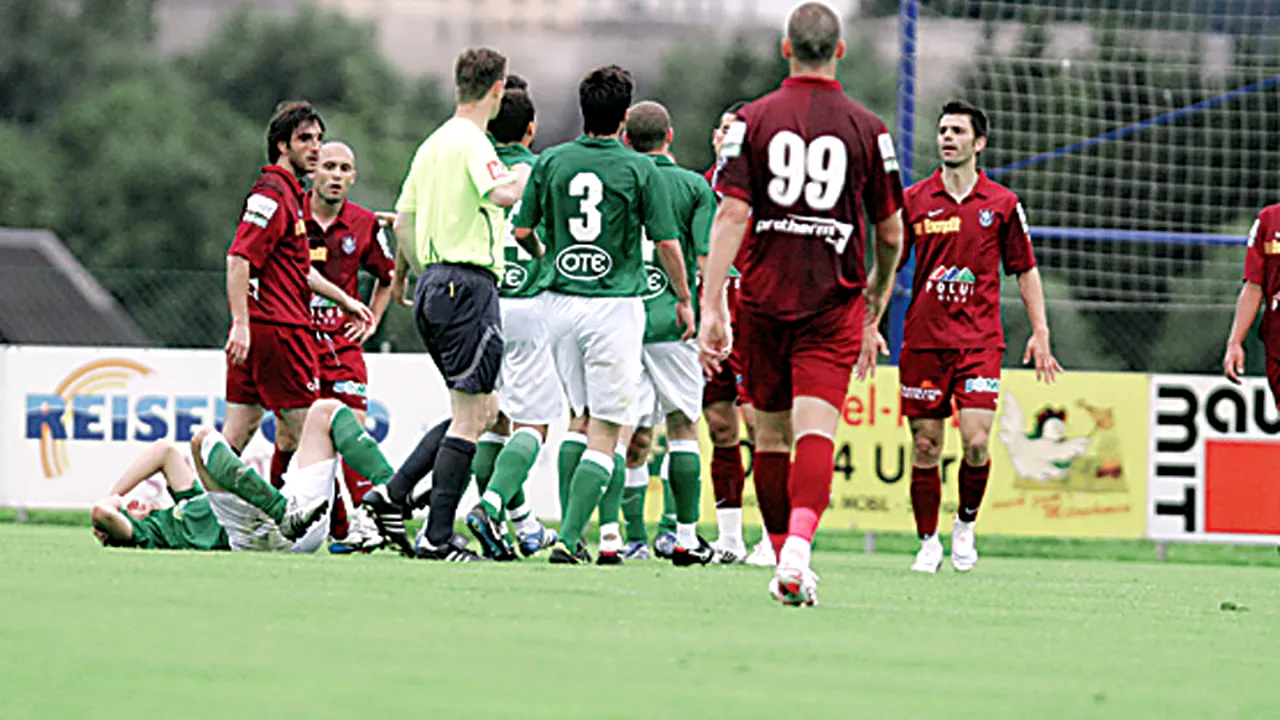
(964, 227)
(271, 353)
(725, 405)
(1261, 292)
(344, 239)
(800, 165)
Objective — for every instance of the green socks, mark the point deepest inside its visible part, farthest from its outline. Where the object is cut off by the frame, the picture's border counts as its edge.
(633, 495)
(483, 464)
(571, 449)
(684, 469)
(611, 502)
(229, 471)
(511, 469)
(358, 447)
(667, 524)
(594, 472)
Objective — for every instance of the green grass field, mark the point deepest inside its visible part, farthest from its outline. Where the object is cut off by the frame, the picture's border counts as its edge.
(88, 632)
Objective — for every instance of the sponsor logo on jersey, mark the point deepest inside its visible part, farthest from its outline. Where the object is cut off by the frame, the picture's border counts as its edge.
(982, 385)
(656, 282)
(319, 254)
(349, 244)
(351, 387)
(938, 227)
(584, 262)
(926, 392)
(953, 284)
(829, 230)
(513, 276)
(733, 139)
(259, 209)
(1272, 246)
(936, 212)
(986, 217)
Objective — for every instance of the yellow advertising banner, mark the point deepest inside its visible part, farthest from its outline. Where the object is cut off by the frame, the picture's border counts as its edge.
(1068, 460)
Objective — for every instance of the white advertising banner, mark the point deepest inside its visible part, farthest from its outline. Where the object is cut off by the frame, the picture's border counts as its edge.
(74, 418)
(1215, 461)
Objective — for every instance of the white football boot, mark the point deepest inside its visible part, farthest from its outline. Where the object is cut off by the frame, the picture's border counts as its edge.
(929, 557)
(964, 555)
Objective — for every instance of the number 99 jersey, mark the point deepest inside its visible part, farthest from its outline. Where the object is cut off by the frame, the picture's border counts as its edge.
(807, 159)
(594, 198)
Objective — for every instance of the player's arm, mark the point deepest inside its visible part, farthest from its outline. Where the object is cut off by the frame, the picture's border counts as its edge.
(1019, 259)
(162, 457)
(509, 193)
(262, 224)
(1248, 304)
(110, 525)
(493, 180)
(530, 213)
(360, 315)
(727, 233)
(660, 226)
(888, 249)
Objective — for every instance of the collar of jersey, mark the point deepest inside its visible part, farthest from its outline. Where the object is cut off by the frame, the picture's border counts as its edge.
(598, 142)
(979, 188)
(811, 80)
(344, 215)
(288, 177)
(662, 160)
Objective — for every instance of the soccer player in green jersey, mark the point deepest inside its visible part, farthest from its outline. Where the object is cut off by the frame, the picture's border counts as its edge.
(191, 523)
(597, 199)
(671, 387)
(249, 513)
(529, 395)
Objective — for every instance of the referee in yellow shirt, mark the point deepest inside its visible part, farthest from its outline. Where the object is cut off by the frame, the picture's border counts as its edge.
(449, 219)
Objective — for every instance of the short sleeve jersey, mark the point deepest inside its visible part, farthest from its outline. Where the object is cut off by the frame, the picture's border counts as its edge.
(1262, 267)
(352, 242)
(808, 160)
(452, 172)
(694, 206)
(273, 238)
(596, 201)
(189, 525)
(521, 274)
(960, 249)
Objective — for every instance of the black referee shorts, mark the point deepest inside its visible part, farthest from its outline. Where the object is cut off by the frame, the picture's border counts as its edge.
(456, 310)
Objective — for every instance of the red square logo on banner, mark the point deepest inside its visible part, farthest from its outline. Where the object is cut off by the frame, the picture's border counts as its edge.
(1242, 487)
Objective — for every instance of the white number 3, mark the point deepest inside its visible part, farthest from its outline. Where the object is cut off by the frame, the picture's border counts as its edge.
(816, 170)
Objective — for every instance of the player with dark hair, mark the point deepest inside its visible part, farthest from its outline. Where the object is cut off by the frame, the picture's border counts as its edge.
(725, 405)
(671, 386)
(529, 397)
(345, 238)
(596, 199)
(964, 227)
(271, 354)
(1260, 294)
(450, 225)
(801, 165)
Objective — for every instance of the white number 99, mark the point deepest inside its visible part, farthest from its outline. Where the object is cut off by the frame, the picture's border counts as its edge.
(817, 170)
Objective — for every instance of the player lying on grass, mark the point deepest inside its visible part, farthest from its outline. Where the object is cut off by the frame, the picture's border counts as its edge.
(191, 523)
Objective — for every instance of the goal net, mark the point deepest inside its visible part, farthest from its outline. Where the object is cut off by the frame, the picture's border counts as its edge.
(1143, 136)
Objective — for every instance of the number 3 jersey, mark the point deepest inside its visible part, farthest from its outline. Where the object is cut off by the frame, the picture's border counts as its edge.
(809, 160)
(960, 247)
(594, 198)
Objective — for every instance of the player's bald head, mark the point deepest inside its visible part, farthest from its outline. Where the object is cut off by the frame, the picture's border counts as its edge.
(648, 125)
(335, 150)
(813, 30)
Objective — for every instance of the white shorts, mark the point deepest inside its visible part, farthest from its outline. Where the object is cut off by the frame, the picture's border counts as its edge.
(528, 388)
(248, 528)
(672, 382)
(597, 343)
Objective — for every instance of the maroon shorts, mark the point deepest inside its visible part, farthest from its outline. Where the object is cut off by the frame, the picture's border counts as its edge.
(343, 375)
(810, 357)
(726, 385)
(281, 372)
(931, 379)
(1273, 378)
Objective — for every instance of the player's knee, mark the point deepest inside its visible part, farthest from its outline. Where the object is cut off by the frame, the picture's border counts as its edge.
(578, 424)
(722, 429)
(680, 427)
(976, 449)
(927, 450)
